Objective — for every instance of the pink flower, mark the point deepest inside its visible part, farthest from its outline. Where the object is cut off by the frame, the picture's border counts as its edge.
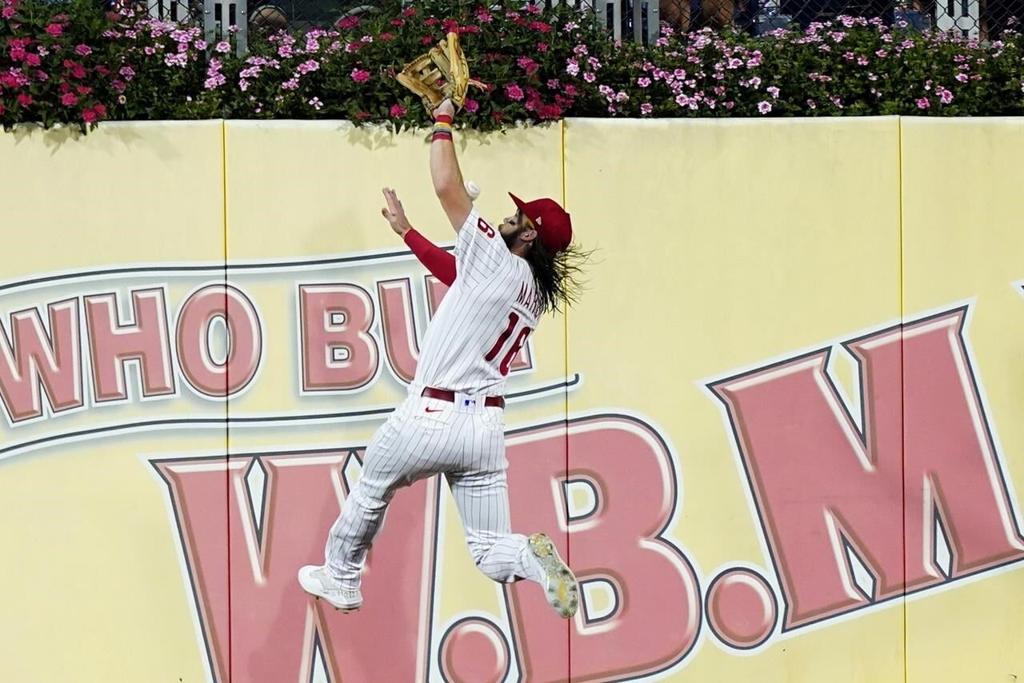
(643, 81)
(589, 77)
(386, 37)
(483, 16)
(346, 23)
(55, 29)
(290, 84)
(962, 77)
(409, 12)
(646, 108)
(222, 47)
(6, 13)
(945, 96)
(17, 54)
(308, 66)
(533, 9)
(734, 63)
(179, 59)
(33, 59)
(549, 112)
(83, 50)
(570, 91)
(398, 22)
(127, 72)
(68, 99)
(316, 103)
(514, 92)
(397, 111)
(89, 116)
(77, 70)
(24, 99)
(540, 26)
(764, 107)
(542, 47)
(923, 103)
(572, 67)
(360, 75)
(773, 91)
(527, 65)
(471, 105)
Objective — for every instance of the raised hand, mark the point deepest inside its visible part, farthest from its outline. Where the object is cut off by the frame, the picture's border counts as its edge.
(395, 213)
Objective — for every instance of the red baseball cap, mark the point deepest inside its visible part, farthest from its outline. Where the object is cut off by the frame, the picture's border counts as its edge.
(553, 224)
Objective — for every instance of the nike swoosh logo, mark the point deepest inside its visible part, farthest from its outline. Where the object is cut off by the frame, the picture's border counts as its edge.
(433, 410)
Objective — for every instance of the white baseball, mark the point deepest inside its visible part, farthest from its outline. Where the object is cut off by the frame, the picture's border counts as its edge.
(473, 189)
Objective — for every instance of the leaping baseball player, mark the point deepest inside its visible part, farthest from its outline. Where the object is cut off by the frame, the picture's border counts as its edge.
(453, 419)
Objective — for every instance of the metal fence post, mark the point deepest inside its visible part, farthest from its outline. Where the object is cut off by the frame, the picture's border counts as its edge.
(219, 16)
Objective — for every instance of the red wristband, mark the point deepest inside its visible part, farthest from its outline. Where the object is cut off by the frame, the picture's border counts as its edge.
(444, 118)
(441, 135)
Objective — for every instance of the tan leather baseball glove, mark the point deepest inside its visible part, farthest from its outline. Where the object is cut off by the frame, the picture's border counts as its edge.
(442, 72)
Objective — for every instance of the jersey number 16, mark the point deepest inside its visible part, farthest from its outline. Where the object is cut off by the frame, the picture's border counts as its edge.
(513, 319)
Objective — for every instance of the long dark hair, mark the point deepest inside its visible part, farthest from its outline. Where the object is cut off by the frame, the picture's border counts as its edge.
(557, 275)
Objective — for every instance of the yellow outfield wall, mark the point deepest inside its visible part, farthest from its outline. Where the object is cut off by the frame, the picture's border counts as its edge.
(779, 438)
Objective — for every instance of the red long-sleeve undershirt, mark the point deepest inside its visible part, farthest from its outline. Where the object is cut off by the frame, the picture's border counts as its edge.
(439, 262)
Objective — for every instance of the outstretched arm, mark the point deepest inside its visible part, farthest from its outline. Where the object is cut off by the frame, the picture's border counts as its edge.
(444, 169)
(439, 262)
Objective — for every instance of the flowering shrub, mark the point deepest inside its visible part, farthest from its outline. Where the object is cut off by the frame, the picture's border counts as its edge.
(71, 62)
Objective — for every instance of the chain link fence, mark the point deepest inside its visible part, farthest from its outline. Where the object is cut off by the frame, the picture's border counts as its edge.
(984, 20)
(639, 20)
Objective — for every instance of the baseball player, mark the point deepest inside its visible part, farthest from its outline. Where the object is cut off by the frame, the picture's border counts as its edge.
(453, 419)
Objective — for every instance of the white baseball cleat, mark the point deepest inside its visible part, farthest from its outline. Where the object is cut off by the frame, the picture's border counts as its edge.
(316, 581)
(560, 584)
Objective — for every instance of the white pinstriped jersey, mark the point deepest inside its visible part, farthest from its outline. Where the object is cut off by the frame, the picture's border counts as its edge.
(484, 319)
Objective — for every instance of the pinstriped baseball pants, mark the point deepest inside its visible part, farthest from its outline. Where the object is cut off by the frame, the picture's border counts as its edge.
(425, 436)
